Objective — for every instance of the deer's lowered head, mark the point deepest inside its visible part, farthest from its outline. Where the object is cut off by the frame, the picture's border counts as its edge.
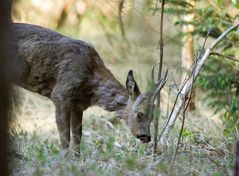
(140, 107)
(134, 108)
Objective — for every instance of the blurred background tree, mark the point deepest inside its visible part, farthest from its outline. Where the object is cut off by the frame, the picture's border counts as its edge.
(187, 56)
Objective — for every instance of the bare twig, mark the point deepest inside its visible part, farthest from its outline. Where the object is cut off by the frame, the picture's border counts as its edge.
(152, 73)
(64, 13)
(226, 57)
(214, 5)
(121, 5)
(189, 99)
(188, 85)
(156, 7)
(159, 86)
(183, 122)
(169, 94)
(175, 84)
(161, 40)
(181, 130)
(159, 77)
(204, 43)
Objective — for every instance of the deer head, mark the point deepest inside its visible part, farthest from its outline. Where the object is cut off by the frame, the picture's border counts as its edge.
(140, 107)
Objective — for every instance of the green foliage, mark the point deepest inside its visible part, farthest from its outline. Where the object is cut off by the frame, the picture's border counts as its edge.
(221, 80)
(206, 16)
(237, 5)
(220, 77)
(110, 143)
(186, 133)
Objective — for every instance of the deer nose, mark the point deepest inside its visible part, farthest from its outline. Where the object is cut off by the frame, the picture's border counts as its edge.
(144, 138)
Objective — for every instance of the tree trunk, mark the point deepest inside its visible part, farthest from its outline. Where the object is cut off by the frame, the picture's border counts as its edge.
(136, 19)
(187, 51)
(63, 15)
(5, 18)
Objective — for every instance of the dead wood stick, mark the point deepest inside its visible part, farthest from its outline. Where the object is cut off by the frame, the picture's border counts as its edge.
(226, 57)
(121, 5)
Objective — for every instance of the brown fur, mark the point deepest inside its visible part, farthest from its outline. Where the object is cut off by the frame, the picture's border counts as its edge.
(72, 75)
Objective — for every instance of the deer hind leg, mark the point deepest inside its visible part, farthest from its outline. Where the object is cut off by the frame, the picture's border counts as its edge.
(76, 128)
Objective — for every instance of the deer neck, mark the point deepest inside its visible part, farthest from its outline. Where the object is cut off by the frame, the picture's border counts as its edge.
(109, 93)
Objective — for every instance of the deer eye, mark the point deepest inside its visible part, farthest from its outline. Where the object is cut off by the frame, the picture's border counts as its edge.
(140, 116)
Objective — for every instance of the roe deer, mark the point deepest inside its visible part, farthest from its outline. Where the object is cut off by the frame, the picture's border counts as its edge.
(73, 76)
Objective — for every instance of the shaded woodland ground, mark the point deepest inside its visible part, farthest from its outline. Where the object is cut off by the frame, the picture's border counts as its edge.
(108, 148)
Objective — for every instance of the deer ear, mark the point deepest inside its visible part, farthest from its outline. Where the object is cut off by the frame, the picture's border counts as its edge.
(132, 86)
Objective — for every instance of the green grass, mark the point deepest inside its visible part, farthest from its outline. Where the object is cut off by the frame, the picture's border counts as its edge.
(114, 151)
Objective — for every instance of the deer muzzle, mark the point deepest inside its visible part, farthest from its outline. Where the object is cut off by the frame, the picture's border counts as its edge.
(144, 138)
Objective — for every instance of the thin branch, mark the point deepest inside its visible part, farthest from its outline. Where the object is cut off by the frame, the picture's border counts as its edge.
(159, 86)
(226, 57)
(181, 131)
(161, 40)
(152, 73)
(182, 126)
(214, 5)
(189, 99)
(156, 7)
(169, 94)
(223, 35)
(121, 5)
(205, 40)
(159, 77)
(175, 84)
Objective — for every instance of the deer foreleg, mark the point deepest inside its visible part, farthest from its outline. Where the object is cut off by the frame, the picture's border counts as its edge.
(76, 127)
(63, 125)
